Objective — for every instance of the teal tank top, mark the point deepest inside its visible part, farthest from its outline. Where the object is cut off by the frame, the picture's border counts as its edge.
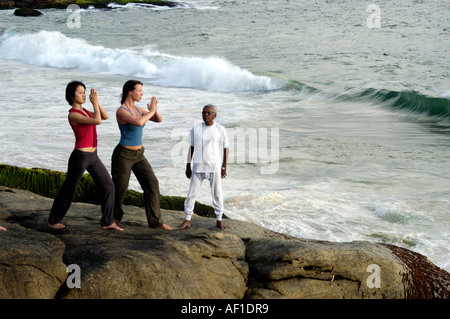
(131, 135)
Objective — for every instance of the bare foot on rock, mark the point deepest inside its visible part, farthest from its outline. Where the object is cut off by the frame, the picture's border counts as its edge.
(185, 224)
(113, 226)
(56, 226)
(221, 225)
(164, 226)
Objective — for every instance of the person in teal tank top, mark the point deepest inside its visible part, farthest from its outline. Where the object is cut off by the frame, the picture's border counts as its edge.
(128, 156)
(131, 135)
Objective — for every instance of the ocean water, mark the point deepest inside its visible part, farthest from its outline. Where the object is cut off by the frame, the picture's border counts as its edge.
(338, 112)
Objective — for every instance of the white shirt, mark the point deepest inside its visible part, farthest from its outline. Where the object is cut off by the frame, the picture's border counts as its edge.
(208, 143)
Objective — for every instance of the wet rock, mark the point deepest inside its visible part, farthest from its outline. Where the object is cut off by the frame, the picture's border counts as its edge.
(27, 12)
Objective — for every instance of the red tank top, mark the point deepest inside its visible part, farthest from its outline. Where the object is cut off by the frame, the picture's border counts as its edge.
(85, 135)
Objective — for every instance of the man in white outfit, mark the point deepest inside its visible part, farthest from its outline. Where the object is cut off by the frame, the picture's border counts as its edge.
(208, 139)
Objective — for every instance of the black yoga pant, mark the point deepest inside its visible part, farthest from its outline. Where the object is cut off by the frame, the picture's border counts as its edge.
(79, 162)
(125, 161)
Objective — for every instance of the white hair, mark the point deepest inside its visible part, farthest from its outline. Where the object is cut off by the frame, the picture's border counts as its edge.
(213, 107)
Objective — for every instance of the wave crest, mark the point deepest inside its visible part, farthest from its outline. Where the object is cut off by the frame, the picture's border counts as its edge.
(54, 49)
(407, 101)
(412, 101)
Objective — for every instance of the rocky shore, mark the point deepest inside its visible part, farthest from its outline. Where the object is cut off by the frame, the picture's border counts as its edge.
(83, 261)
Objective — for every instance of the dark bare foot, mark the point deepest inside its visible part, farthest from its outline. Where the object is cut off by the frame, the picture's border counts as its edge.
(185, 224)
(221, 225)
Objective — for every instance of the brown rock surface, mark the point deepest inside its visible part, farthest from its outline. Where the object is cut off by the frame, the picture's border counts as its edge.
(243, 261)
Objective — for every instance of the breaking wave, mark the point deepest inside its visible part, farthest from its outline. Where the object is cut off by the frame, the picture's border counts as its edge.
(54, 49)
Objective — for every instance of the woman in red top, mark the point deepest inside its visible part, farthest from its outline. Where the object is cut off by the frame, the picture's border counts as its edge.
(84, 157)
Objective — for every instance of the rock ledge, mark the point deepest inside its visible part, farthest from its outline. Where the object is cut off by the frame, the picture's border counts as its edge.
(244, 261)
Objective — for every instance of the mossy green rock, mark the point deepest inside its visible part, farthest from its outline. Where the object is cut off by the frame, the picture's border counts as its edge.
(47, 183)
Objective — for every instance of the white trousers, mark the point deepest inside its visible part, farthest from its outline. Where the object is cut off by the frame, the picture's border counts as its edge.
(216, 193)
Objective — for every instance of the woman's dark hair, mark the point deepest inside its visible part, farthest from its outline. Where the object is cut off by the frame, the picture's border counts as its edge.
(70, 90)
(127, 87)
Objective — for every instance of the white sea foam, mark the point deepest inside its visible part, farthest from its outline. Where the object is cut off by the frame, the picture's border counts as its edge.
(54, 49)
(198, 5)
